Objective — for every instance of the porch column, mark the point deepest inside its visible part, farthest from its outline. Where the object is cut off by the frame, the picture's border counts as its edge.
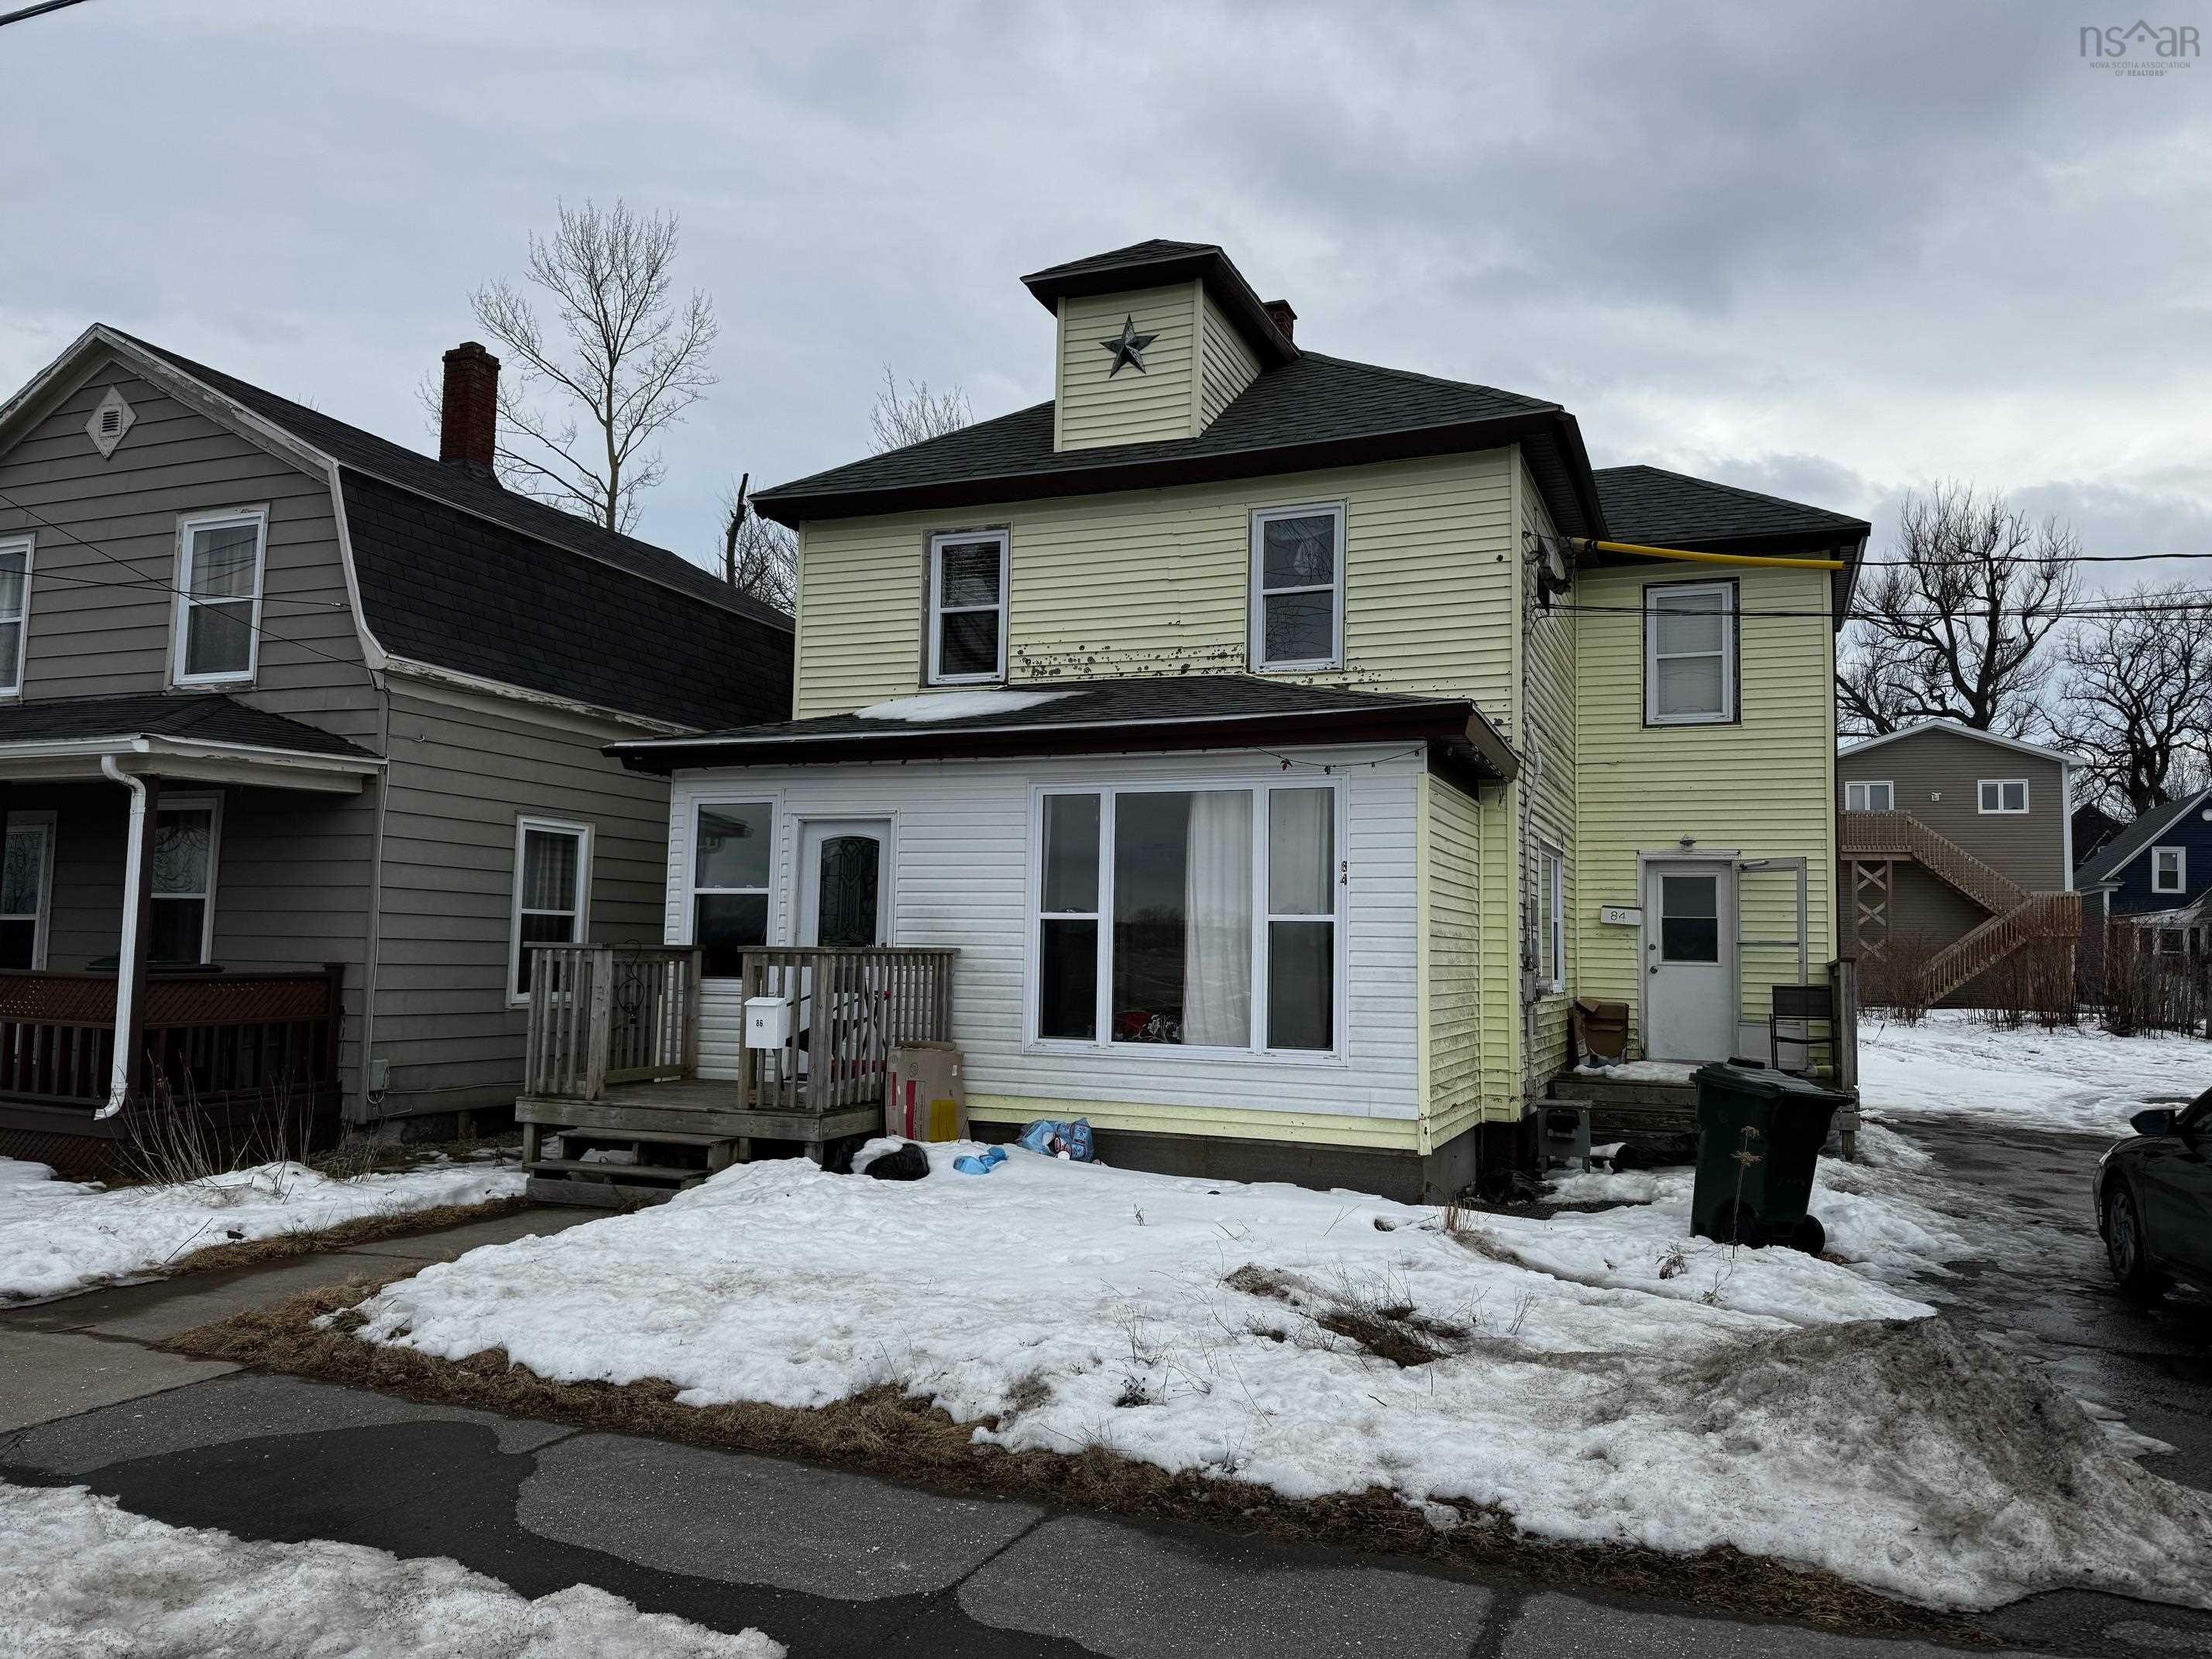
(131, 958)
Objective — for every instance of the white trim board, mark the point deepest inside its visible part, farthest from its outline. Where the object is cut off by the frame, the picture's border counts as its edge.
(2018, 745)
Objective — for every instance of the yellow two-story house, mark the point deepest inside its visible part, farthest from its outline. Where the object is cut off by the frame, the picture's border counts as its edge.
(1282, 756)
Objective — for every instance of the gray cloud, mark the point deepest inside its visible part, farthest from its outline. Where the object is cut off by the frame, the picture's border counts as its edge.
(1830, 252)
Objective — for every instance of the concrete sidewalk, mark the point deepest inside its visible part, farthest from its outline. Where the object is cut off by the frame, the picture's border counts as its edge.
(828, 1562)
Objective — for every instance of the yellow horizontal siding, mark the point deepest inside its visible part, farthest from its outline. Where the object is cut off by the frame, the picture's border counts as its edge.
(1158, 581)
(1226, 364)
(1549, 740)
(1393, 1134)
(1097, 406)
(1763, 787)
(1455, 970)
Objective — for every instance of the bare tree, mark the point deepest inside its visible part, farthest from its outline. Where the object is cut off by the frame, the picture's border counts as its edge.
(620, 361)
(2136, 704)
(910, 415)
(760, 558)
(1952, 626)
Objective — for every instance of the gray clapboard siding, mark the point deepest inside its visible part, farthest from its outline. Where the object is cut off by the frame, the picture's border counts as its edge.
(462, 772)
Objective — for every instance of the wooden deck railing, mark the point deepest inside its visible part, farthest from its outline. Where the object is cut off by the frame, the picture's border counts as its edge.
(851, 1006)
(210, 1037)
(2039, 916)
(1901, 835)
(602, 1014)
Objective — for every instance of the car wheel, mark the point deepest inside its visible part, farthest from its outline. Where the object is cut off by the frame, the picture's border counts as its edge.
(2125, 1246)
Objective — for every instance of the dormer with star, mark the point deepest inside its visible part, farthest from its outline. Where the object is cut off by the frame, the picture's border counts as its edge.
(1154, 341)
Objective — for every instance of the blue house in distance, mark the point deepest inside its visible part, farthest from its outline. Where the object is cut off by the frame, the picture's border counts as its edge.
(2160, 862)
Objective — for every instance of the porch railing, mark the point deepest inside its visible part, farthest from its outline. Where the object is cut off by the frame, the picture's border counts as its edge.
(851, 1005)
(209, 1037)
(602, 1014)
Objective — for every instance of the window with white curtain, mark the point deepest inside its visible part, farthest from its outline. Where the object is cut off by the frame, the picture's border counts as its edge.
(219, 557)
(1197, 918)
(552, 893)
(1689, 654)
(15, 610)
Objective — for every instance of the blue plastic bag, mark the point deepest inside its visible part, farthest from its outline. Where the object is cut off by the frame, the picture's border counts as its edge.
(1049, 1138)
(970, 1165)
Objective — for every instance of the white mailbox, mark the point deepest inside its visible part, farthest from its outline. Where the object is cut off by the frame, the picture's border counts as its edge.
(767, 1022)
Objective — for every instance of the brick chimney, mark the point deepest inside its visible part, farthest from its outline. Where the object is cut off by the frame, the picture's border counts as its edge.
(1279, 312)
(468, 424)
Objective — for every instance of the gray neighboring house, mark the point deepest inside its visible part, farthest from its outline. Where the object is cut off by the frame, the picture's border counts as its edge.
(301, 739)
(1960, 841)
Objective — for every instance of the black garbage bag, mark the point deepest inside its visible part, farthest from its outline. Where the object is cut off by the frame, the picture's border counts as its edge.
(909, 1162)
(1656, 1149)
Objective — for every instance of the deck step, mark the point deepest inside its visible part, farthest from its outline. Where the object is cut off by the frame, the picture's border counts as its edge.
(596, 1195)
(653, 1171)
(651, 1137)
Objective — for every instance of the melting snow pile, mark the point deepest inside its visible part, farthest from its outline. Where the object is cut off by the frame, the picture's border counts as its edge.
(1595, 1377)
(2078, 1079)
(60, 1236)
(935, 706)
(79, 1574)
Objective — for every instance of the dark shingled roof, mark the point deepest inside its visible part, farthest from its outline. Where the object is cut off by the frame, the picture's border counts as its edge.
(1156, 264)
(1134, 714)
(1152, 251)
(2106, 862)
(461, 574)
(1316, 411)
(1672, 509)
(203, 716)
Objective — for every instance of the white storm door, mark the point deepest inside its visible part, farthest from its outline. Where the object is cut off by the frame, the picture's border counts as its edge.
(1689, 960)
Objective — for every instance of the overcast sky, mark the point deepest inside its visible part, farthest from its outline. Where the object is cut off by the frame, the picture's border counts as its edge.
(1827, 252)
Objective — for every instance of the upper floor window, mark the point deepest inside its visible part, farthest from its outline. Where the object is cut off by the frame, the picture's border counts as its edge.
(1689, 654)
(1876, 796)
(1298, 588)
(2004, 794)
(967, 607)
(2169, 869)
(218, 595)
(15, 609)
(552, 893)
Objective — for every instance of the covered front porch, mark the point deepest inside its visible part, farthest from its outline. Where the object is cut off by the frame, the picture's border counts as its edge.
(178, 913)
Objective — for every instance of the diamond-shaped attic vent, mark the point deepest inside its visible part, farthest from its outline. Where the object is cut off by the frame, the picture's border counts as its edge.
(109, 421)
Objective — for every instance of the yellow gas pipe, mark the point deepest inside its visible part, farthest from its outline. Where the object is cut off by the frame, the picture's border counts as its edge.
(1762, 559)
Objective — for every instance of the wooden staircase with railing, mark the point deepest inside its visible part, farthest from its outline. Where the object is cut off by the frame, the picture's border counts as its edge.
(2018, 917)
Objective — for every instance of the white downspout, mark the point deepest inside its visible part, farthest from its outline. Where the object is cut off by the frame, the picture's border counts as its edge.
(126, 979)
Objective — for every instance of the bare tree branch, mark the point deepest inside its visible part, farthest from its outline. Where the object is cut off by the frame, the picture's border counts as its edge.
(1953, 626)
(915, 414)
(622, 362)
(2136, 708)
(760, 558)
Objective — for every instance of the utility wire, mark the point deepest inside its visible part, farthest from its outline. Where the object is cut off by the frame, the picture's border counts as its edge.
(43, 6)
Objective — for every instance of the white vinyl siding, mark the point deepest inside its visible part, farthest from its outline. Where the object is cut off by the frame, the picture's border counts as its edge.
(2169, 869)
(15, 610)
(218, 603)
(1875, 795)
(963, 877)
(1689, 654)
(2004, 795)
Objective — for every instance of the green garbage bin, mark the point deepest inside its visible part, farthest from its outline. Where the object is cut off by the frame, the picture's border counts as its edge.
(1760, 1135)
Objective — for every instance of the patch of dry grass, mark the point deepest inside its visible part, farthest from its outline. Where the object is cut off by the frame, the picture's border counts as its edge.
(900, 1438)
(341, 1236)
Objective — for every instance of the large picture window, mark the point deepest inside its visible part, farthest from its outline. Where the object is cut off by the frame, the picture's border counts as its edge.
(552, 893)
(1297, 588)
(967, 607)
(15, 610)
(1197, 918)
(219, 558)
(1689, 654)
(730, 866)
(187, 835)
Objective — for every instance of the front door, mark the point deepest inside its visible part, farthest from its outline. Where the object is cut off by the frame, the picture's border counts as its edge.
(844, 881)
(1689, 959)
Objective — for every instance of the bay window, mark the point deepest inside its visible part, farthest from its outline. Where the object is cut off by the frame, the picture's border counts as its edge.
(1202, 918)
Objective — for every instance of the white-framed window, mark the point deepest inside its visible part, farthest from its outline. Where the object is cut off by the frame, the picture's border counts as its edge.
(967, 607)
(218, 608)
(1196, 916)
(732, 864)
(2169, 869)
(26, 886)
(187, 853)
(14, 610)
(1689, 654)
(2005, 795)
(1298, 588)
(1552, 921)
(552, 893)
(1873, 795)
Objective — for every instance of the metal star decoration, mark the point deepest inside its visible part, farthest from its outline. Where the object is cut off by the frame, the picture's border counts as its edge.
(1128, 348)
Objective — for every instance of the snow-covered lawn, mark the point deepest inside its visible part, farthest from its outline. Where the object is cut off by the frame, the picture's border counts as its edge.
(57, 1237)
(2078, 1079)
(81, 1575)
(1595, 1377)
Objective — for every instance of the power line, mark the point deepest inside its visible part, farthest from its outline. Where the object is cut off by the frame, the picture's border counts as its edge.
(43, 7)
(2196, 602)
